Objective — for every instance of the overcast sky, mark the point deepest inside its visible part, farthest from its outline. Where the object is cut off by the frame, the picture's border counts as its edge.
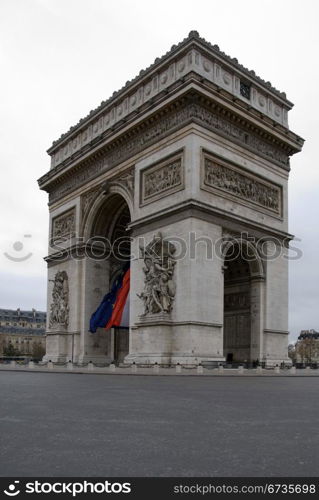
(60, 58)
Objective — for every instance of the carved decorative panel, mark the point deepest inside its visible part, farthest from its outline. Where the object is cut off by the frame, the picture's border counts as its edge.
(87, 200)
(126, 180)
(159, 287)
(162, 179)
(59, 309)
(221, 177)
(63, 226)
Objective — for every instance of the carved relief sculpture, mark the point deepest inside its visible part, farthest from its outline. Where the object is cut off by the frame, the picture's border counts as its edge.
(241, 185)
(59, 311)
(162, 179)
(63, 225)
(159, 288)
(126, 180)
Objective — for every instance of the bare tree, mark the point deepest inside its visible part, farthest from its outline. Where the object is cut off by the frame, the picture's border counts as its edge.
(307, 350)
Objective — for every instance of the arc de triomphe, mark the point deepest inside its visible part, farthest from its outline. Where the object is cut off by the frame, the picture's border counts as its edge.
(184, 172)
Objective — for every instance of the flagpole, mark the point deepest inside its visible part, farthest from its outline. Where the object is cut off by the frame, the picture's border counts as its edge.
(113, 344)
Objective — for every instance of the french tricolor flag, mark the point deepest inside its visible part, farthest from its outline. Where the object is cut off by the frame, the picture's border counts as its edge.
(114, 309)
(121, 309)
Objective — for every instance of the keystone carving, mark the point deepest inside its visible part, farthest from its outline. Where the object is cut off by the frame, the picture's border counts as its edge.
(125, 180)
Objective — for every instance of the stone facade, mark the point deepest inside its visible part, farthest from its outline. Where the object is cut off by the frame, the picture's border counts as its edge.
(185, 165)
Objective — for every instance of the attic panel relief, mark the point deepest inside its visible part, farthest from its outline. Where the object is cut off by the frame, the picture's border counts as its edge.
(63, 226)
(219, 177)
(162, 179)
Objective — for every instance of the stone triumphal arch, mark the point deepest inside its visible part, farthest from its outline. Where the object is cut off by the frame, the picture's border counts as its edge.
(182, 173)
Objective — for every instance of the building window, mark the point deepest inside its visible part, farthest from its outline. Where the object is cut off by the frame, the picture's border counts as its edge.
(245, 90)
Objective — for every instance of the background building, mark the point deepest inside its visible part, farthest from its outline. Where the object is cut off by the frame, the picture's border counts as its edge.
(22, 332)
(307, 347)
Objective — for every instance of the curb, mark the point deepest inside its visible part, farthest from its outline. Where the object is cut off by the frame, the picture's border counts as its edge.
(162, 372)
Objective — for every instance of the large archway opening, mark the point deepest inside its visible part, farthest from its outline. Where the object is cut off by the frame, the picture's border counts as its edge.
(110, 247)
(237, 307)
(244, 282)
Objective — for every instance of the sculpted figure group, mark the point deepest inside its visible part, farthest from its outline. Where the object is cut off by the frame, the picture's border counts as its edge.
(159, 288)
(59, 312)
(64, 225)
(240, 185)
(162, 179)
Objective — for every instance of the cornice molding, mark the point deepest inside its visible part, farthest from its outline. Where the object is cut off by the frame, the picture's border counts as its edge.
(200, 210)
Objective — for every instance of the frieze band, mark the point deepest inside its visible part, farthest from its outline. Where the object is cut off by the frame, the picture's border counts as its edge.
(250, 188)
(175, 120)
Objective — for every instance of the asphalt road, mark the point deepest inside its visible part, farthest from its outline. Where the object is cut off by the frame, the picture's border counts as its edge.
(95, 425)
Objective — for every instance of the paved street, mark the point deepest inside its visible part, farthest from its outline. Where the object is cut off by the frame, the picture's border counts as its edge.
(96, 425)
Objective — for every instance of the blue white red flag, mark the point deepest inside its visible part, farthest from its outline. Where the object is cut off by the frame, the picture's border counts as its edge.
(114, 308)
(121, 306)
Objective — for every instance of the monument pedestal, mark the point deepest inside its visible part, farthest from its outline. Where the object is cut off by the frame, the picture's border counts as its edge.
(57, 346)
(158, 339)
(61, 345)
